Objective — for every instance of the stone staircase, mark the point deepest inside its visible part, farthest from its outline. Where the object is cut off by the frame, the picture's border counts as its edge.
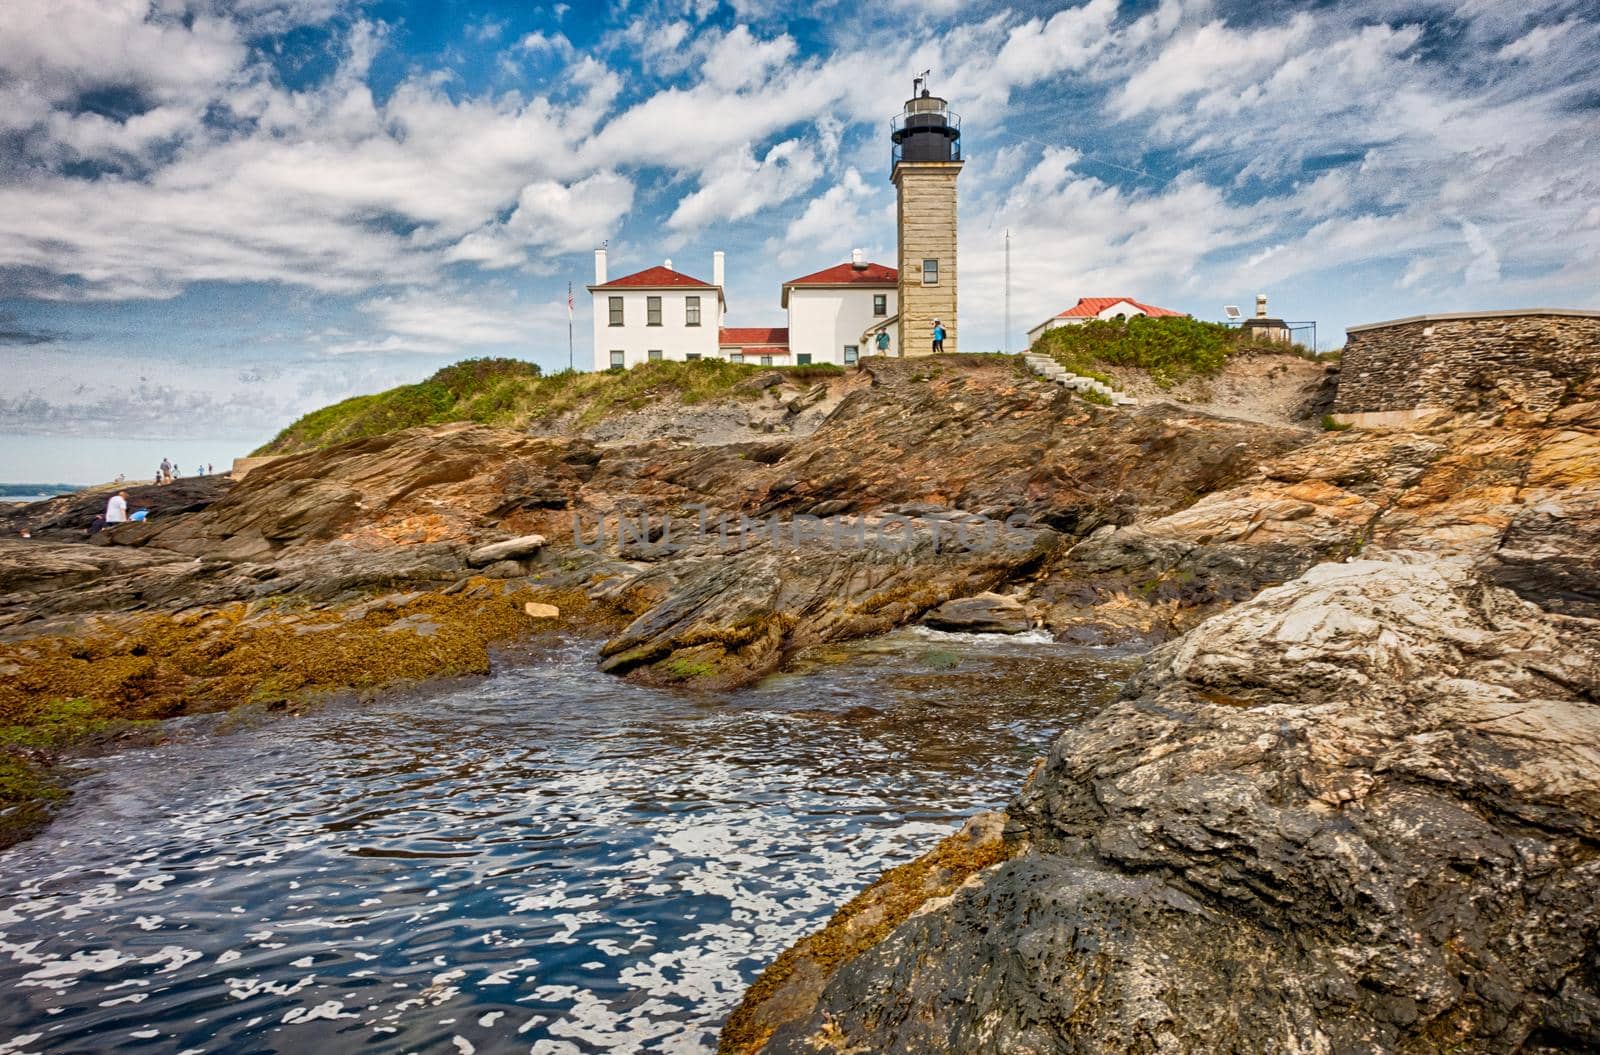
(1049, 369)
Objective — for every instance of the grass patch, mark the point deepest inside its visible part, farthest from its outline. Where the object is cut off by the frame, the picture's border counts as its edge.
(513, 394)
(1170, 350)
(1330, 425)
(1098, 398)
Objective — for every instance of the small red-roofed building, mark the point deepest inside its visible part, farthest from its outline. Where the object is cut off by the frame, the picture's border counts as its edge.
(1101, 308)
(763, 345)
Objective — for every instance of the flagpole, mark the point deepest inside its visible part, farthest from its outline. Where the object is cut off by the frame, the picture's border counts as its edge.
(569, 325)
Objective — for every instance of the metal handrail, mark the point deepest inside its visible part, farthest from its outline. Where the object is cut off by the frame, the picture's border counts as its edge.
(894, 154)
(951, 118)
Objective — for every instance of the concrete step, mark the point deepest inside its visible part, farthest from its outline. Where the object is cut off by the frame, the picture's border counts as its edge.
(1051, 370)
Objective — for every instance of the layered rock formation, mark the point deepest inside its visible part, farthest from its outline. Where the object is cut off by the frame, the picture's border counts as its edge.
(1355, 813)
(1352, 809)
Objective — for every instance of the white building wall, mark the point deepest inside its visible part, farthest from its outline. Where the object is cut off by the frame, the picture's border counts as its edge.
(822, 321)
(674, 338)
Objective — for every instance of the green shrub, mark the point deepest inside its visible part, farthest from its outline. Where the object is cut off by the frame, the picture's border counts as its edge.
(1169, 349)
(513, 394)
(1330, 425)
(1098, 398)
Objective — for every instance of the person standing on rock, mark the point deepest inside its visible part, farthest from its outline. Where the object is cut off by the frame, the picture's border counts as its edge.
(938, 336)
(165, 476)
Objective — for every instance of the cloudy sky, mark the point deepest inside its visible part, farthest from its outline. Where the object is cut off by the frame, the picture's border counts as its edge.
(214, 216)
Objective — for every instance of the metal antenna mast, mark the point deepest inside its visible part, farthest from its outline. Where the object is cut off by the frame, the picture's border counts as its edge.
(1008, 291)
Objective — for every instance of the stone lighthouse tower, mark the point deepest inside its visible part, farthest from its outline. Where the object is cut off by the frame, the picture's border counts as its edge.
(924, 167)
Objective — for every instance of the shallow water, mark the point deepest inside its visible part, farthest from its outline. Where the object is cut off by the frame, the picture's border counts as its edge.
(548, 860)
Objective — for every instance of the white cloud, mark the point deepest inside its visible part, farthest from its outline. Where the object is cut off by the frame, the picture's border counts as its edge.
(738, 185)
(550, 216)
(1212, 59)
(69, 46)
(835, 221)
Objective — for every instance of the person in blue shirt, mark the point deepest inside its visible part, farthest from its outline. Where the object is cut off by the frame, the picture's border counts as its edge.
(938, 336)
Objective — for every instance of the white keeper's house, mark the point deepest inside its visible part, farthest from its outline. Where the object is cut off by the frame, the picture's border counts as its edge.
(835, 316)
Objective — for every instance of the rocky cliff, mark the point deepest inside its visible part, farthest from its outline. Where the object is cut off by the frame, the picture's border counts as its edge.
(1347, 806)
(1352, 809)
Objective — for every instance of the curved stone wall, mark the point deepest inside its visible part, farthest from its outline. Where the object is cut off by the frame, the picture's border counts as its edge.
(1396, 370)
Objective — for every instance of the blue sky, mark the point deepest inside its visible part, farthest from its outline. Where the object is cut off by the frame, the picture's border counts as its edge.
(215, 216)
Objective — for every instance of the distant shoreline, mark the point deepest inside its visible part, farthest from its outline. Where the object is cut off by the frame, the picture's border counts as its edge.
(37, 492)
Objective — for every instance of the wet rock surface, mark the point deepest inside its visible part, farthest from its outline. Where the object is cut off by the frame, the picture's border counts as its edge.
(1351, 809)
(1355, 813)
(984, 613)
(1354, 809)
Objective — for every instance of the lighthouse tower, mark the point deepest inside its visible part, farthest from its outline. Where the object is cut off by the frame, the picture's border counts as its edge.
(925, 163)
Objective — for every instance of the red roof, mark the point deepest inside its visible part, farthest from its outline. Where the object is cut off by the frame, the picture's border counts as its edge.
(655, 278)
(1089, 307)
(753, 337)
(848, 275)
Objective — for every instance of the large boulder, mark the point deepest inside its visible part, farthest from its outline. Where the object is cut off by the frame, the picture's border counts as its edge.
(986, 613)
(1356, 813)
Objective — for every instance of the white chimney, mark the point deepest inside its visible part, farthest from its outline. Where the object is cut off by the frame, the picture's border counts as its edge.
(716, 268)
(857, 260)
(1261, 305)
(667, 263)
(599, 267)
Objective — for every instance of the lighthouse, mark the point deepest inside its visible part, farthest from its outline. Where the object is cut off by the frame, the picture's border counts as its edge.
(925, 162)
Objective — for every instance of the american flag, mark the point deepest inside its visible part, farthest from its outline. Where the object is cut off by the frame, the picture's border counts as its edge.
(569, 301)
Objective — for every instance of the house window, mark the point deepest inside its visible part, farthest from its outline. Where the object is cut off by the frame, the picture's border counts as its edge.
(766, 360)
(654, 355)
(880, 303)
(691, 311)
(803, 359)
(735, 357)
(617, 358)
(851, 353)
(930, 272)
(652, 311)
(616, 310)
(693, 357)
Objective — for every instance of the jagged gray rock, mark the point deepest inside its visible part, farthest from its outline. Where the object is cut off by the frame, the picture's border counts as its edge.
(1357, 813)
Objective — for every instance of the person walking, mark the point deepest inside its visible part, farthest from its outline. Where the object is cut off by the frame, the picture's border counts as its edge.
(883, 342)
(938, 336)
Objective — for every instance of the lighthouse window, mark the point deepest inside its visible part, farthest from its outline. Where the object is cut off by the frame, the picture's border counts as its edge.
(652, 311)
(691, 311)
(654, 355)
(851, 353)
(617, 357)
(616, 310)
(880, 304)
(930, 272)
